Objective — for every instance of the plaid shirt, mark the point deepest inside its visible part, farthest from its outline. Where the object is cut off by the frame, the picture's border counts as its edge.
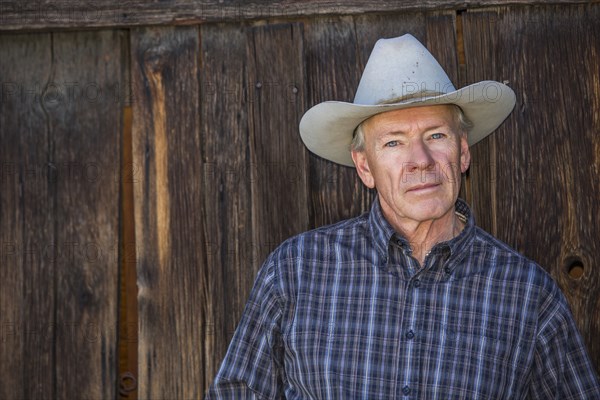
(345, 312)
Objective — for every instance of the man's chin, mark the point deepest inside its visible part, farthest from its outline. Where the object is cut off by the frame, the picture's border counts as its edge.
(426, 212)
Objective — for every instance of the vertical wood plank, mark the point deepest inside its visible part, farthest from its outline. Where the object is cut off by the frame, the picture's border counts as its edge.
(128, 307)
(228, 172)
(333, 72)
(481, 48)
(440, 28)
(169, 216)
(86, 147)
(27, 295)
(279, 194)
(64, 144)
(545, 159)
(87, 138)
(127, 371)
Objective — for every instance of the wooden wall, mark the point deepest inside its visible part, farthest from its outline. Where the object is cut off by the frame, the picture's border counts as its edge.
(148, 169)
(59, 213)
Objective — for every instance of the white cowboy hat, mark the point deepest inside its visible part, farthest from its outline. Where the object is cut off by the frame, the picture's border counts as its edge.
(401, 73)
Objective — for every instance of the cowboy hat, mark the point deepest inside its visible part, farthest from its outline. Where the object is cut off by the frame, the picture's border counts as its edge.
(401, 73)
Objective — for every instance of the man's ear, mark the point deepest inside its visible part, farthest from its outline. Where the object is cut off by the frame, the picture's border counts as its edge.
(362, 168)
(465, 154)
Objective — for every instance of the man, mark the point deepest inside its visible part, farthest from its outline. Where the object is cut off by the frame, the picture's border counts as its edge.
(410, 300)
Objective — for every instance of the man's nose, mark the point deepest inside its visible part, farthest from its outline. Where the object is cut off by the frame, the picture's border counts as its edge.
(420, 157)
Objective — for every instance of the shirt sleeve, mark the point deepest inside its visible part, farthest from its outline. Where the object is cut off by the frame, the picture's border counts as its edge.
(562, 369)
(253, 365)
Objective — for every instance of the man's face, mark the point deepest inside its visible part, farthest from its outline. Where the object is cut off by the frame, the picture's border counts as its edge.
(414, 157)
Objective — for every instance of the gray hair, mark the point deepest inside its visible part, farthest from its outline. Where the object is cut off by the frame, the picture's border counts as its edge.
(464, 125)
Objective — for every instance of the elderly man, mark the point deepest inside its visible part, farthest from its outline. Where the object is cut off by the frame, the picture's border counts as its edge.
(411, 300)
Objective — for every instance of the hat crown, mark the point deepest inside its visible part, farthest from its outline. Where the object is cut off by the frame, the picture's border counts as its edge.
(398, 69)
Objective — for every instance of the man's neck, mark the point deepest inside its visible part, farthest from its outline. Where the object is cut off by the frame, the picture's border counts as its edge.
(424, 235)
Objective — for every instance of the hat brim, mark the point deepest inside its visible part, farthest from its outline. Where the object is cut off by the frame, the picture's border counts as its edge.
(327, 128)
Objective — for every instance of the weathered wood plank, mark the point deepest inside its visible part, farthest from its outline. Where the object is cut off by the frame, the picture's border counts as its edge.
(169, 218)
(481, 48)
(544, 160)
(27, 294)
(62, 139)
(440, 30)
(333, 73)
(228, 173)
(279, 193)
(48, 14)
(87, 139)
(128, 306)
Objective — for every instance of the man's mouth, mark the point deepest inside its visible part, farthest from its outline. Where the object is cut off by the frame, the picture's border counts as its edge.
(423, 188)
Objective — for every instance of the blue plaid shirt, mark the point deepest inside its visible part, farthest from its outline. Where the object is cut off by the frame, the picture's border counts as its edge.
(345, 312)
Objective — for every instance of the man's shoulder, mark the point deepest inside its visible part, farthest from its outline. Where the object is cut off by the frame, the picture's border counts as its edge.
(324, 238)
(488, 242)
(509, 262)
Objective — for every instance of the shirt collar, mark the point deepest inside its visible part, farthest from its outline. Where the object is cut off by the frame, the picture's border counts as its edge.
(382, 232)
(380, 229)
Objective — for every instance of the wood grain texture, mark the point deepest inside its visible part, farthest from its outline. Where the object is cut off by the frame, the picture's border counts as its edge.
(87, 205)
(60, 132)
(48, 14)
(128, 290)
(169, 214)
(256, 190)
(333, 72)
(544, 161)
(228, 176)
(279, 194)
(481, 64)
(27, 284)
(440, 30)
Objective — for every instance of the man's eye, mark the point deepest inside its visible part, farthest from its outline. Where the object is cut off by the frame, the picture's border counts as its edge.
(437, 135)
(392, 143)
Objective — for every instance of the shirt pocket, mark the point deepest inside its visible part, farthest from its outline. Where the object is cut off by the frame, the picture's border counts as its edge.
(480, 364)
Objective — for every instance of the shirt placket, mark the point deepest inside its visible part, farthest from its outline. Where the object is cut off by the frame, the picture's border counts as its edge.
(409, 349)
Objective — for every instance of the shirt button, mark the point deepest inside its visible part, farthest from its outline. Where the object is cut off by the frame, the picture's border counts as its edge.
(406, 390)
(417, 283)
(410, 334)
(447, 270)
